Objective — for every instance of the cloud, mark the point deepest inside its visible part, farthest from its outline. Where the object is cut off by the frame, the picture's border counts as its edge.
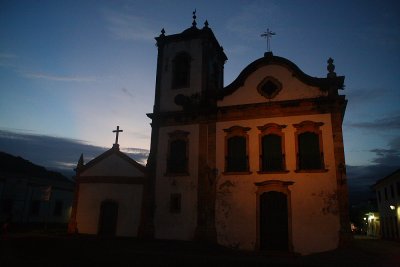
(390, 156)
(6, 60)
(362, 96)
(56, 153)
(138, 154)
(395, 143)
(129, 27)
(140, 135)
(391, 122)
(243, 24)
(7, 56)
(127, 92)
(361, 178)
(386, 156)
(60, 78)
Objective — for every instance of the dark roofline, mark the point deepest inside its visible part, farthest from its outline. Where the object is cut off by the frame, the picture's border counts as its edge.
(192, 33)
(269, 59)
(113, 150)
(384, 178)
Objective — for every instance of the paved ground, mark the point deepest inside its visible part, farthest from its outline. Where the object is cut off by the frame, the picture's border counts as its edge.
(61, 250)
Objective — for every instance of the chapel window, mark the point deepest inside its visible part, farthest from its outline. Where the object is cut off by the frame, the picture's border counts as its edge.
(309, 146)
(7, 206)
(272, 157)
(58, 208)
(175, 203)
(236, 152)
(181, 70)
(398, 188)
(34, 208)
(177, 160)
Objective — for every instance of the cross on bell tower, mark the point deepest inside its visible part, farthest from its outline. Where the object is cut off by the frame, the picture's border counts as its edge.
(117, 131)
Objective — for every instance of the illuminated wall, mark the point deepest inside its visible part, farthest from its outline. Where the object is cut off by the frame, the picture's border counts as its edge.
(111, 177)
(180, 224)
(388, 196)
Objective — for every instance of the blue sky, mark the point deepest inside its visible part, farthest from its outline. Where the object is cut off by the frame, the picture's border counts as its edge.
(73, 70)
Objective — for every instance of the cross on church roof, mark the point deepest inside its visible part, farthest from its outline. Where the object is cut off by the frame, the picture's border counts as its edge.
(268, 34)
(116, 135)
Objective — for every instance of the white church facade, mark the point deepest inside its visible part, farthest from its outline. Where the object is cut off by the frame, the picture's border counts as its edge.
(255, 165)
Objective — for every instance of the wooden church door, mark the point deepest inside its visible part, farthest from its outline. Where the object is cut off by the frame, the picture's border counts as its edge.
(273, 221)
(108, 218)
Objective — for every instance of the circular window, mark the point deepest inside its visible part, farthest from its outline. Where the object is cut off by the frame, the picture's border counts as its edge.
(269, 87)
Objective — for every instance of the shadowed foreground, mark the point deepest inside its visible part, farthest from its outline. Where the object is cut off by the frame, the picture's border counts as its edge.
(56, 250)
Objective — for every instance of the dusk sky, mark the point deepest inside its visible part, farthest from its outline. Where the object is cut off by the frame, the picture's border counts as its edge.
(71, 71)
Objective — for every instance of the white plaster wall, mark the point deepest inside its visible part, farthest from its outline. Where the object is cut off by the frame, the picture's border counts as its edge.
(315, 218)
(128, 197)
(113, 165)
(167, 94)
(176, 225)
(384, 204)
(385, 212)
(292, 87)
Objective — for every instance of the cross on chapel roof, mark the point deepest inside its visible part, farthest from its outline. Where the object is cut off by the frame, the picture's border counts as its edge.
(117, 131)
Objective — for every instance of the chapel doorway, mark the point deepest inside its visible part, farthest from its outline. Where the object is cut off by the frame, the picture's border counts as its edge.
(108, 218)
(274, 221)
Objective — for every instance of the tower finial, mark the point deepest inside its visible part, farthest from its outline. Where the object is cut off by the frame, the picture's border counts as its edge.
(80, 164)
(162, 32)
(331, 68)
(194, 23)
(206, 24)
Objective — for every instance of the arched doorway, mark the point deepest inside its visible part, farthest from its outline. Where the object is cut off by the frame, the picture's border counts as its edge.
(274, 221)
(274, 217)
(108, 218)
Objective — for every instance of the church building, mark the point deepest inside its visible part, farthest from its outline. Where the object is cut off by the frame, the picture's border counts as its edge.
(255, 165)
(108, 195)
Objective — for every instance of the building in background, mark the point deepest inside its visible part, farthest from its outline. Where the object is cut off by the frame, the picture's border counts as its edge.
(388, 196)
(256, 165)
(373, 224)
(29, 194)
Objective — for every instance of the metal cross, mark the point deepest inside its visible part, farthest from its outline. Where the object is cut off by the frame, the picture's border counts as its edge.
(268, 34)
(117, 133)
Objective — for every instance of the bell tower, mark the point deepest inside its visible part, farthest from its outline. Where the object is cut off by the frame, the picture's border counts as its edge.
(189, 69)
(182, 161)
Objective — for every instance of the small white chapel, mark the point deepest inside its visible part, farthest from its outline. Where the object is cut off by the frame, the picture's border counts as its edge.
(108, 194)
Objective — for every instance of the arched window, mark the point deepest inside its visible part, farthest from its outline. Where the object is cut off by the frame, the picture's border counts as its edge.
(272, 155)
(236, 160)
(309, 151)
(181, 70)
(236, 152)
(177, 162)
(309, 146)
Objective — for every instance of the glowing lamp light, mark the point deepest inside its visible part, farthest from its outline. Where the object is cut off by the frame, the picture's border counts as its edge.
(392, 207)
(365, 218)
